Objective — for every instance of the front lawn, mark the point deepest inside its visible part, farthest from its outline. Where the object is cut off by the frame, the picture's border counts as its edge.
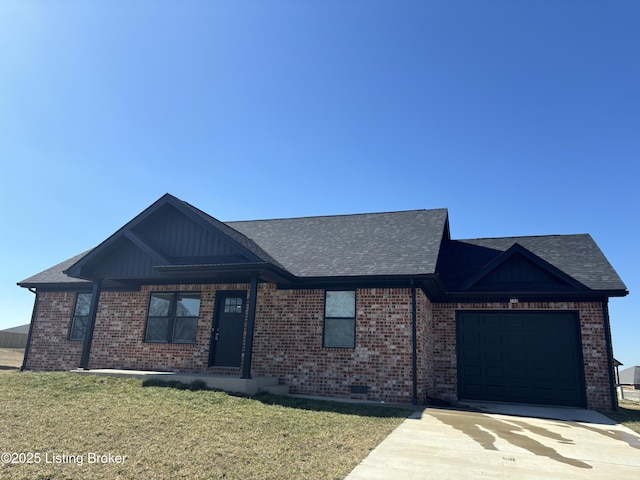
(58, 421)
(628, 414)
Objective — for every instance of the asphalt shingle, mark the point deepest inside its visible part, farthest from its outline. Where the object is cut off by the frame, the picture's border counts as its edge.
(395, 243)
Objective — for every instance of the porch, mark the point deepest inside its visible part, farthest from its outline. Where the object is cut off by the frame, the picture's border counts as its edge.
(247, 386)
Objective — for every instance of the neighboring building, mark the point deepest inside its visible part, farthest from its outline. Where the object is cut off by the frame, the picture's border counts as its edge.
(630, 377)
(15, 337)
(383, 306)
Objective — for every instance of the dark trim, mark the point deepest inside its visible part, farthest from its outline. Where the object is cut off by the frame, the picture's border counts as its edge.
(516, 248)
(359, 281)
(251, 322)
(476, 297)
(262, 270)
(66, 286)
(33, 321)
(91, 322)
(414, 341)
(85, 286)
(145, 247)
(611, 372)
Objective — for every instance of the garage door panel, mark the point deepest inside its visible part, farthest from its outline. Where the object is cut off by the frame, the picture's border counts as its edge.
(517, 356)
(494, 372)
(495, 356)
(471, 372)
(529, 357)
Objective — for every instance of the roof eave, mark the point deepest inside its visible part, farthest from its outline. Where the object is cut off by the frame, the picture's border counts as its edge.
(55, 285)
(263, 270)
(527, 295)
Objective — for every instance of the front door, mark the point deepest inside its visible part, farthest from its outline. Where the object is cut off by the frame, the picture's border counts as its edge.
(228, 329)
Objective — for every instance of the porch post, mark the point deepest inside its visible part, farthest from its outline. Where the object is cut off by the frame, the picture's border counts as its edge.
(91, 321)
(251, 322)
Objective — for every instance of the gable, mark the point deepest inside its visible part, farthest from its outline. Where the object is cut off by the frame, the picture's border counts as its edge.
(520, 274)
(180, 240)
(167, 234)
(550, 263)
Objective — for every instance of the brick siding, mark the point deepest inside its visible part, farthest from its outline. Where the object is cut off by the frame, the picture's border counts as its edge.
(50, 349)
(288, 341)
(288, 344)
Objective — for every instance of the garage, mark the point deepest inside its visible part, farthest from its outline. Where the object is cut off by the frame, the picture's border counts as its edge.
(520, 357)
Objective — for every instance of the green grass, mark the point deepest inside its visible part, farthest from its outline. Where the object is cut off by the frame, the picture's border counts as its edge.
(628, 414)
(166, 433)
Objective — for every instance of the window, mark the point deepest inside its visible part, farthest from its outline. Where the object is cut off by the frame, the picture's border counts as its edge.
(340, 319)
(173, 318)
(80, 316)
(233, 305)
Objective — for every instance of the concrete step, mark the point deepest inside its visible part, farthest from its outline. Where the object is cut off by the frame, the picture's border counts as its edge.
(249, 386)
(277, 389)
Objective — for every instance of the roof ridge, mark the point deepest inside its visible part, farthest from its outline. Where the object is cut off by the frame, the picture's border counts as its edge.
(523, 236)
(339, 215)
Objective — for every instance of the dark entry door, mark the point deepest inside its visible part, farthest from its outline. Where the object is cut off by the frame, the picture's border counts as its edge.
(228, 329)
(522, 357)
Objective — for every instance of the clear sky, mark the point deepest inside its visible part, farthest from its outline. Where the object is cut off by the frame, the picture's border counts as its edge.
(521, 117)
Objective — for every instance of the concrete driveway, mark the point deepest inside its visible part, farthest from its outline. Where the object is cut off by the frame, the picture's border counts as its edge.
(505, 441)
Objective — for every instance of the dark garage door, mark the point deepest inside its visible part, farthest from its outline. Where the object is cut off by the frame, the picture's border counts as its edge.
(520, 357)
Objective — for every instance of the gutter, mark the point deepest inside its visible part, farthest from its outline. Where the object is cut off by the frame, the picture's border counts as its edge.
(33, 318)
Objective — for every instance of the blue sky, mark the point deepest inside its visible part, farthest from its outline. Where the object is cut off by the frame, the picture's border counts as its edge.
(520, 117)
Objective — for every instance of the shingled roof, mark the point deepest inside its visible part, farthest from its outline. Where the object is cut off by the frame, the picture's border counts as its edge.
(375, 245)
(55, 275)
(395, 243)
(630, 376)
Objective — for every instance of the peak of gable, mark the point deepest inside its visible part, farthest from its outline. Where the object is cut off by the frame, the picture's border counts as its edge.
(520, 270)
(168, 233)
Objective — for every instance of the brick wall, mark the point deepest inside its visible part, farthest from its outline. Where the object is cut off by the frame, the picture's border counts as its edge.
(288, 344)
(118, 340)
(50, 349)
(288, 341)
(425, 345)
(593, 345)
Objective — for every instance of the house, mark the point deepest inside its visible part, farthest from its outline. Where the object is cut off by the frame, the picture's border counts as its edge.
(382, 306)
(630, 377)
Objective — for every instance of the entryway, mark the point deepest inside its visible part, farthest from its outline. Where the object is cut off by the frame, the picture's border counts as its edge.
(228, 328)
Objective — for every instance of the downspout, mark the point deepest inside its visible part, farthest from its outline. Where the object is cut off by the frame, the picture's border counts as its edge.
(414, 327)
(608, 341)
(91, 322)
(33, 319)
